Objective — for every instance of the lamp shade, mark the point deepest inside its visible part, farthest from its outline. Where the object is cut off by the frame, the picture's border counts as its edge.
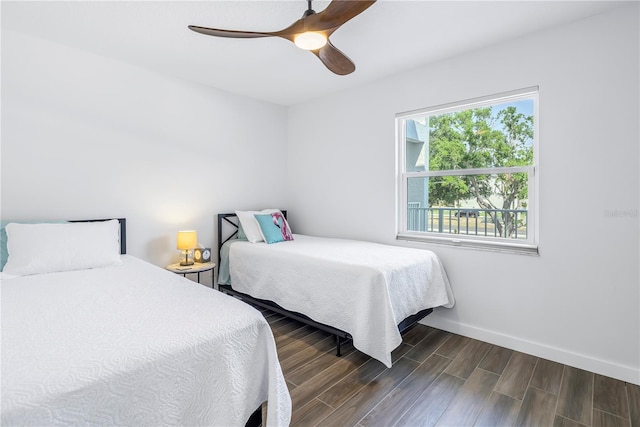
(187, 239)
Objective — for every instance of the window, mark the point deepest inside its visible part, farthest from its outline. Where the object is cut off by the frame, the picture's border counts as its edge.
(467, 173)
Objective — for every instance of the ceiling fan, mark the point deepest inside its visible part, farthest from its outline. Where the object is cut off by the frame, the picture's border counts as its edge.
(311, 32)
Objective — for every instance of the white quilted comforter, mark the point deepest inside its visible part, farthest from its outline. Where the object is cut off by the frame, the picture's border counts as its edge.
(363, 288)
(135, 345)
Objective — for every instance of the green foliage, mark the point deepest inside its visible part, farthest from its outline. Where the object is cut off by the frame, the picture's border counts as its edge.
(481, 138)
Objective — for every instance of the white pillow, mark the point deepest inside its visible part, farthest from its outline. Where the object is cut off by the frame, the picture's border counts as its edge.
(48, 248)
(250, 224)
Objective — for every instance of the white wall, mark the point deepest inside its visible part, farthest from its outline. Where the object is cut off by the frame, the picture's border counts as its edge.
(84, 136)
(576, 303)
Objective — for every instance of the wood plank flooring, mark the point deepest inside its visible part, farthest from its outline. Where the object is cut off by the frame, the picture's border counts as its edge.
(442, 379)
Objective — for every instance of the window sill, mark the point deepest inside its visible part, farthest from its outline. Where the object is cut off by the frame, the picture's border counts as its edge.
(487, 245)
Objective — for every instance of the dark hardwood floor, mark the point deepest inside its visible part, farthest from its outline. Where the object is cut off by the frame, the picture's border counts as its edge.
(442, 379)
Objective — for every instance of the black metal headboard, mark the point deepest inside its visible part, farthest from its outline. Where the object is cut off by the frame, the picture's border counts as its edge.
(123, 230)
(228, 219)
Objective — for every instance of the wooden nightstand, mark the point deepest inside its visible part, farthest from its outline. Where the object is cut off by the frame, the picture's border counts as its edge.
(196, 268)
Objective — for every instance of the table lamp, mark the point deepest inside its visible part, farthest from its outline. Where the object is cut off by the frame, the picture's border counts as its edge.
(187, 240)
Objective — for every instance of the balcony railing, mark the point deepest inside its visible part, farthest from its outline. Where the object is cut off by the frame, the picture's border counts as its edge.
(505, 223)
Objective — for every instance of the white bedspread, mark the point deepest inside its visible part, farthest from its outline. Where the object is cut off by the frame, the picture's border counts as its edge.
(365, 289)
(134, 345)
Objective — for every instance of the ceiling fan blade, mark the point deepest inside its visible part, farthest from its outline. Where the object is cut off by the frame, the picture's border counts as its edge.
(229, 33)
(337, 13)
(292, 30)
(335, 60)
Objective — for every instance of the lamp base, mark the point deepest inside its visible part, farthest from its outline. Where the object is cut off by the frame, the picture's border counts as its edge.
(188, 258)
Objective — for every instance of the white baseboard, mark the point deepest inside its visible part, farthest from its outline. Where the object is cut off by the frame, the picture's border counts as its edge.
(624, 373)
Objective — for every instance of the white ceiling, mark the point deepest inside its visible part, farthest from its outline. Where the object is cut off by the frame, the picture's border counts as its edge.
(389, 37)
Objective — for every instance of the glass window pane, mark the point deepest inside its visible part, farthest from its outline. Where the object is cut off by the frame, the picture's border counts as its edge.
(493, 136)
(492, 205)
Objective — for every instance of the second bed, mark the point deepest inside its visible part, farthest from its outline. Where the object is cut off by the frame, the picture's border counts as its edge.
(360, 290)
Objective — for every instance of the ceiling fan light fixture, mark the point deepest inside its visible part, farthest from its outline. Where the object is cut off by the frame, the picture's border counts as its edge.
(310, 40)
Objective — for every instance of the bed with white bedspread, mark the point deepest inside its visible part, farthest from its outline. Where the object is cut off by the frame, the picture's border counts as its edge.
(363, 288)
(133, 344)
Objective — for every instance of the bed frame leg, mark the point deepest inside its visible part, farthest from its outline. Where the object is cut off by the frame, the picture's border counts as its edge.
(338, 346)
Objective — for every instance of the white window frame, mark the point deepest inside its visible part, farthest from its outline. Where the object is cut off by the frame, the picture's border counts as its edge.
(528, 246)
